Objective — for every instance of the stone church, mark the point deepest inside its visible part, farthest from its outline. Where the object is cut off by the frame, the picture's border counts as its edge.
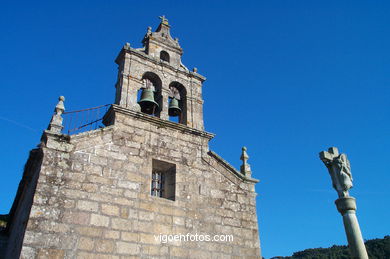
(144, 184)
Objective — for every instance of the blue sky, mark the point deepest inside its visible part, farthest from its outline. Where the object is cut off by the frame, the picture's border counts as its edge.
(287, 79)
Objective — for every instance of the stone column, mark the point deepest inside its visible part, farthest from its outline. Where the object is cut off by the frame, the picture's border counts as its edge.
(164, 105)
(340, 171)
(347, 208)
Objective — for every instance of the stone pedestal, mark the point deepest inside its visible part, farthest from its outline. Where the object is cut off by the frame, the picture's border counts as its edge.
(347, 207)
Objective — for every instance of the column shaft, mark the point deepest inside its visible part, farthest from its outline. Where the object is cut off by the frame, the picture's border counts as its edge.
(354, 235)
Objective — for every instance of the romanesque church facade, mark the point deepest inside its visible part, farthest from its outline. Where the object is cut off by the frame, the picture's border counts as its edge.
(110, 192)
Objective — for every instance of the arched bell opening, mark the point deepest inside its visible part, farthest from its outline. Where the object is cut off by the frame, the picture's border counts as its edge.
(164, 56)
(177, 109)
(149, 95)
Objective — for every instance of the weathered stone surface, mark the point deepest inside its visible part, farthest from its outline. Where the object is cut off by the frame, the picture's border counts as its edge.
(93, 196)
(128, 248)
(105, 246)
(86, 243)
(99, 220)
(87, 205)
(111, 210)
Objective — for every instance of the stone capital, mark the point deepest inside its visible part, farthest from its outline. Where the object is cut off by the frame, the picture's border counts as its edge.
(346, 204)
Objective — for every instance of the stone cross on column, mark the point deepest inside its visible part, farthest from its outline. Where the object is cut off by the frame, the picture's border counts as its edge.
(56, 120)
(245, 167)
(340, 171)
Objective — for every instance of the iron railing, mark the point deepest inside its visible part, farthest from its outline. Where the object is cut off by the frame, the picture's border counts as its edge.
(84, 120)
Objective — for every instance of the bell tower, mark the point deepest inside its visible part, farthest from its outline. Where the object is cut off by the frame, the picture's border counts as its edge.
(153, 80)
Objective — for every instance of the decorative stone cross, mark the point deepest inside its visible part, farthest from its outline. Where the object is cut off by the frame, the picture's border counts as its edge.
(163, 19)
(245, 167)
(339, 169)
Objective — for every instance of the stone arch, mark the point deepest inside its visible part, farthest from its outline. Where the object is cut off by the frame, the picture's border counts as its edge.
(164, 56)
(157, 85)
(178, 90)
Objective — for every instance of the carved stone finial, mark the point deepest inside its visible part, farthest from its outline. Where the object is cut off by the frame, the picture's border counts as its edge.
(339, 169)
(127, 45)
(195, 70)
(245, 167)
(149, 30)
(56, 120)
(163, 20)
(60, 108)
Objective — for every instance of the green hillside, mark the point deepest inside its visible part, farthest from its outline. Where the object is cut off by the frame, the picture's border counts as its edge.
(377, 249)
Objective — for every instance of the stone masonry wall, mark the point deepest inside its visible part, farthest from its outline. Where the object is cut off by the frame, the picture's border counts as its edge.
(93, 197)
(21, 206)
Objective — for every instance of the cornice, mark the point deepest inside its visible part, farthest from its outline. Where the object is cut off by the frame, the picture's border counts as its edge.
(109, 116)
(228, 166)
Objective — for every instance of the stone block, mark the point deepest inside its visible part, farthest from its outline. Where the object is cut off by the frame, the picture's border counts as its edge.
(89, 231)
(130, 236)
(89, 187)
(146, 215)
(98, 160)
(85, 255)
(131, 194)
(99, 220)
(50, 253)
(79, 218)
(99, 179)
(148, 239)
(51, 226)
(28, 253)
(179, 252)
(109, 154)
(134, 177)
(127, 248)
(86, 243)
(199, 254)
(109, 209)
(87, 205)
(121, 224)
(105, 246)
(129, 185)
(93, 169)
(178, 221)
(111, 234)
(111, 191)
(124, 212)
(123, 201)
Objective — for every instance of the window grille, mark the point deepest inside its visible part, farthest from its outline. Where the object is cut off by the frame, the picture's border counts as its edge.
(163, 180)
(158, 184)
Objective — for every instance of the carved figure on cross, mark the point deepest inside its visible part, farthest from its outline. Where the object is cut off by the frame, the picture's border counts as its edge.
(339, 169)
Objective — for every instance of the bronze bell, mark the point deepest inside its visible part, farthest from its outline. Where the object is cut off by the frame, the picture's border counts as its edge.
(174, 109)
(147, 102)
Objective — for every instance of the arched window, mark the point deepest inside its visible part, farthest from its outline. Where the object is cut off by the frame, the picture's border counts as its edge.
(149, 95)
(177, 103)
(164, 56)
